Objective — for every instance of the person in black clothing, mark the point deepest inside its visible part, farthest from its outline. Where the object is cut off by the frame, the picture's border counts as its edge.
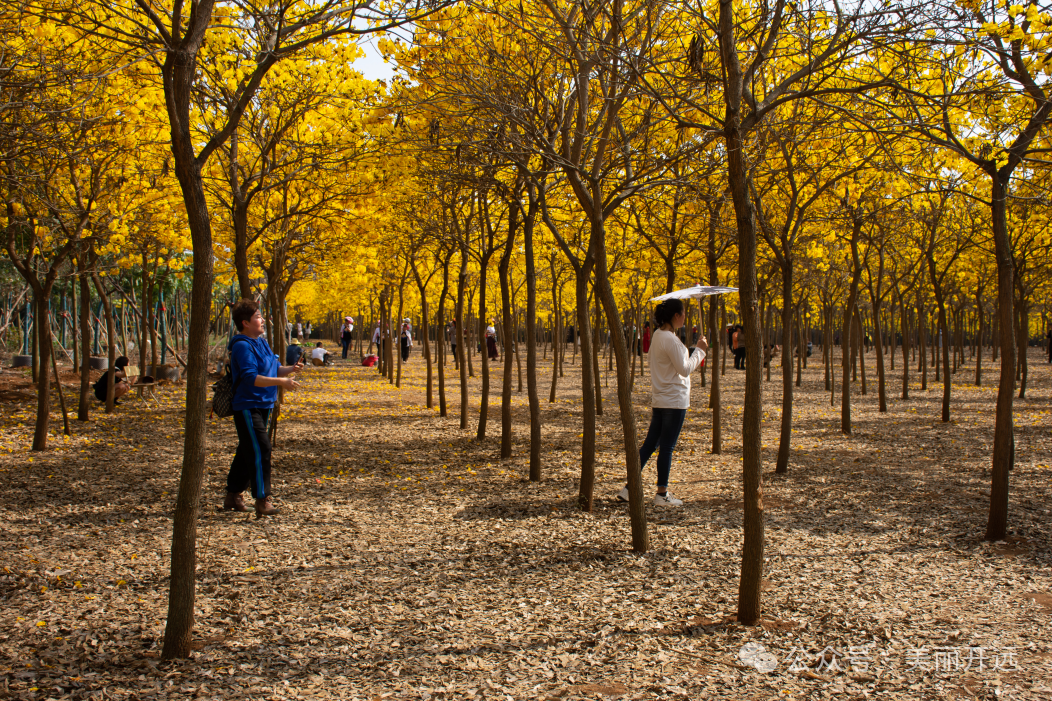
(347, 334)
(103, 384)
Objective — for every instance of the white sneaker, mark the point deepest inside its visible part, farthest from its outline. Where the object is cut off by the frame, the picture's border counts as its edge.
(623, 495)
(667, 499)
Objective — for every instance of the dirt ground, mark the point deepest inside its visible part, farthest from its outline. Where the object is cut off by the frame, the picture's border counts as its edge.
(409, 562)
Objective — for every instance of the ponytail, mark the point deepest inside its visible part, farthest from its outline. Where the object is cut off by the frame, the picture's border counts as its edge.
(664, 312)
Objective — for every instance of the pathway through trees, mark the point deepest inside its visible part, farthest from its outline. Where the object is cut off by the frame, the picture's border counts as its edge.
(410, 561)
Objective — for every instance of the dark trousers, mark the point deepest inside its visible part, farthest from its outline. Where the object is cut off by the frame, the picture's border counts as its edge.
(739, 358)
(405, 351)
(251, 465)
(665, 425)
(346, 344)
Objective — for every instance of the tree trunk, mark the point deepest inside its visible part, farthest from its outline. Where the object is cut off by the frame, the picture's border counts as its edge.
(531, 337)
(860, 343)
(84, 405)
(43, 341)
(462, 338)
(636, 508)
(905, 312)
(715, 334)
(396, 337)
(1004, 438)
(749, 586)
(595, 358)
(878, 335)
(178, 71)
(847, 334)
(782, 465)
(944, 336)
(480, 434)
(557, 334)
(583, 331)
(503, 268)
(1022, 343)
(979, 339)
(441, 336)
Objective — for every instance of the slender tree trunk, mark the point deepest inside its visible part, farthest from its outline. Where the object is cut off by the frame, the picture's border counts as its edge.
(480, 434)
(462, 339)
(827, 346)
(595, 358)
(878, 334)
(583, 328)
(782, 466)
(531, 336)
(945, 345)
(715, 344)
(847, 331)
(636, 509)
(979, 339)
(1004, 432)
(749, 586)
(43, 340)
(396, 337)
(860, 344)
(557, 332)
(84, 405)
(503, 269)
(1022, 343)
(441, 336)
(905, 311)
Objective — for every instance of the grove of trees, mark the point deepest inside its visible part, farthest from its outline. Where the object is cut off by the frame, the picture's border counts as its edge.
(864, 174)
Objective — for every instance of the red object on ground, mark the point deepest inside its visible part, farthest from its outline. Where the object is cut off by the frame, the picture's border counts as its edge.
(369, 361)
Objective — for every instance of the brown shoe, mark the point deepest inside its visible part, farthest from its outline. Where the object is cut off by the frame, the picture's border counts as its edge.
(264, 507)
(234, 502)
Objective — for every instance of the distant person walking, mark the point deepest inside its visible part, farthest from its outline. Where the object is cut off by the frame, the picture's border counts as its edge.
(346, 334)
(491, 342)
(670, 368)
(738, 347)
(257, 376)
(406, 341)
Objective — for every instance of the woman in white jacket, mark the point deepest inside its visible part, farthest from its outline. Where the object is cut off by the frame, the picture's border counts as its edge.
(670, 368)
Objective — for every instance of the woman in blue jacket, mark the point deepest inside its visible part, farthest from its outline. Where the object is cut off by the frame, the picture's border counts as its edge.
(257, 376)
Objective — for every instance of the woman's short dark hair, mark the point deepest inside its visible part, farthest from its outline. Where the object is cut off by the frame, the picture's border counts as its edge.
(243, 311)
(122, 362)
(664, 312)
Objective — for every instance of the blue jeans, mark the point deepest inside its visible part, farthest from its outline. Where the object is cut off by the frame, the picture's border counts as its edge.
(665, 425)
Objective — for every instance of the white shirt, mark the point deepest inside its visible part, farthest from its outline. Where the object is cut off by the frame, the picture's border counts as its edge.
(670, 368)
(490, 331)
(318, 354)
(376, 335)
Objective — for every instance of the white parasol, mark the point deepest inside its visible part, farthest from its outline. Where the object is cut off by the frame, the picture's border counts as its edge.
(696, 291)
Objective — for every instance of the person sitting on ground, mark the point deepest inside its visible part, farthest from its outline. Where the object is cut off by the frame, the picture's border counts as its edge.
(770, 352)
(319, 356)
(120, 389)
(293, 353)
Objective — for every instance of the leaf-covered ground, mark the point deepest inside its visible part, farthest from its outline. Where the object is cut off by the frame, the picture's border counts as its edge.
(409, 562)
